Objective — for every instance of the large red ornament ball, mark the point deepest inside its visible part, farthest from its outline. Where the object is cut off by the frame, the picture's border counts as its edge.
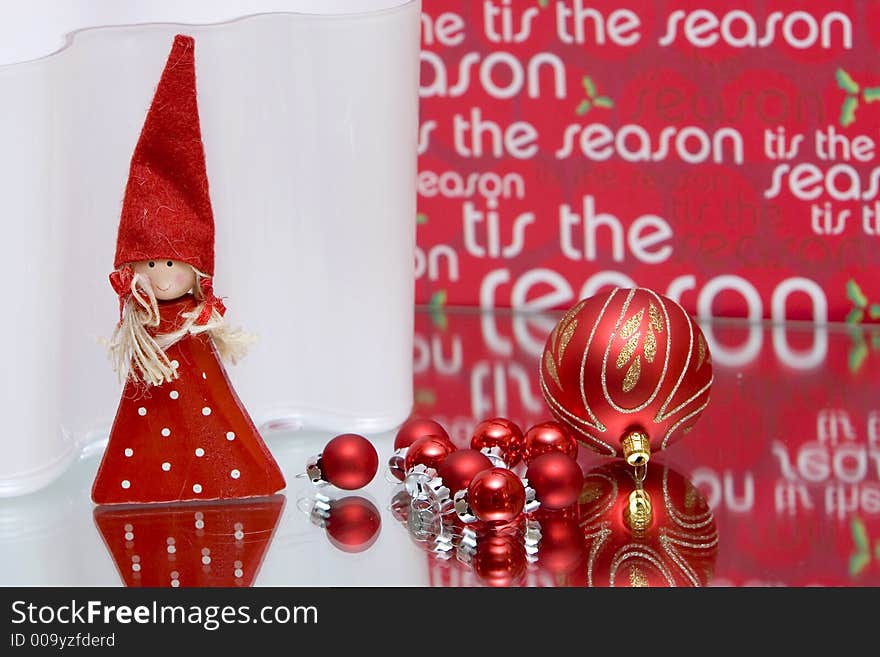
(501, 433)
(415, 428)
(496, 495)
(500, 560)
(429, 451)
(556, 478)
(460, 467)
(349, 461)
(353, 525)
(625, 362)
(548, 437)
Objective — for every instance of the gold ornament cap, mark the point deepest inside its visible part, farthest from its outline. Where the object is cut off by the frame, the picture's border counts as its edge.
(636, 448)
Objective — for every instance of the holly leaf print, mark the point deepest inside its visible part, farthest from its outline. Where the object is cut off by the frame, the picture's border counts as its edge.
(589, 87)
(871, 94)
(603, 101)
(848, 111)
(845, 82)
(855, 316)
(874, 311)
(583, 108)
(421, 218)
(854, 293)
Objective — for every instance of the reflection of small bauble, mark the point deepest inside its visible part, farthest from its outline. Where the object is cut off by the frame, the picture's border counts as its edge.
(500, 560)
(627, 363)
(354, 523)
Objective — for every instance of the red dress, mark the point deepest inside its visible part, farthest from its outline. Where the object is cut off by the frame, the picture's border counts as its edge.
(190, 439)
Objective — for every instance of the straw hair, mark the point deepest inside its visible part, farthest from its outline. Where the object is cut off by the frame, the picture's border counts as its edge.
(136, 354)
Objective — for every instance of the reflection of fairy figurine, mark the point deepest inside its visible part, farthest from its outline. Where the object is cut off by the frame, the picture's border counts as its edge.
(180, 431)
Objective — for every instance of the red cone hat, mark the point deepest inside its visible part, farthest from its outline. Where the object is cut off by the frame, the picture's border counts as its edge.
(166, 213)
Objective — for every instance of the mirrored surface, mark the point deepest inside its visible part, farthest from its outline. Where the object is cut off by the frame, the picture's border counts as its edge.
(778, 484)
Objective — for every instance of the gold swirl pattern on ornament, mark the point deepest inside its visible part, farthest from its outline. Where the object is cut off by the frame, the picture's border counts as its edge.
(637, 578)
(601, 537)
(550, 364)
(689, 522)
(680, 422)
(551, 399)
(604, 374)
(639, 551)
(654, 318)
(662, 415)
(628, 350)
(565, 338)
(650, 346)
(701, 351)
(584, 361)
(673, 554)
(632, 375)
(600, 510)
(629, 328)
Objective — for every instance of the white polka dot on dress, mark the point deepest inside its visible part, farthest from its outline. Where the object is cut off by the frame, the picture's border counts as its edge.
(126, 483)
(235, 474)
(206, 410)
(200, 452)
(142, 411)
(174, 394)
(230, 435)
(135, 567)
(166, 466)
(129, 451)
(174, 364)
(197, 488)
(204, 376)
(166, 432)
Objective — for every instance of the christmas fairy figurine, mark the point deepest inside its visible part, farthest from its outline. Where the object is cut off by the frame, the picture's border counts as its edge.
(180, 432)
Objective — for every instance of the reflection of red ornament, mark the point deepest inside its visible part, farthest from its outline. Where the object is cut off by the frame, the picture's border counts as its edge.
(562, 549)
(548, 437)
(353, 524)
(661, 533)
(628, 371)
(500, 560)
(348, 461)
(190, 545)
(460, 467)
(415, 428)
(429, 451)
(502, 438)
(556, 478)
(496, 495)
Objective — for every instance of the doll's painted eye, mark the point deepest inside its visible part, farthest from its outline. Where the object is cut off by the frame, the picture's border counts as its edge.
(169, 263)
(152, 264)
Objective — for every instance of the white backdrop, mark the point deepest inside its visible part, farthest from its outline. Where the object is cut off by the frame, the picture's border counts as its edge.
(309, 124)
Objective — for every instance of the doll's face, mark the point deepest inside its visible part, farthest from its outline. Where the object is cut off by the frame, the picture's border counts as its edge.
(170, 279)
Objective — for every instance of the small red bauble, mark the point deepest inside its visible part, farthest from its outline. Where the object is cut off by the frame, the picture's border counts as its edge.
(353, 524)
(548, 437)
(415, 428)
(349, 461)
(556, 478)
(429, 451)
(502, 436)
(628, 372)
(496, 495)
(461, 467)
(409, 432)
